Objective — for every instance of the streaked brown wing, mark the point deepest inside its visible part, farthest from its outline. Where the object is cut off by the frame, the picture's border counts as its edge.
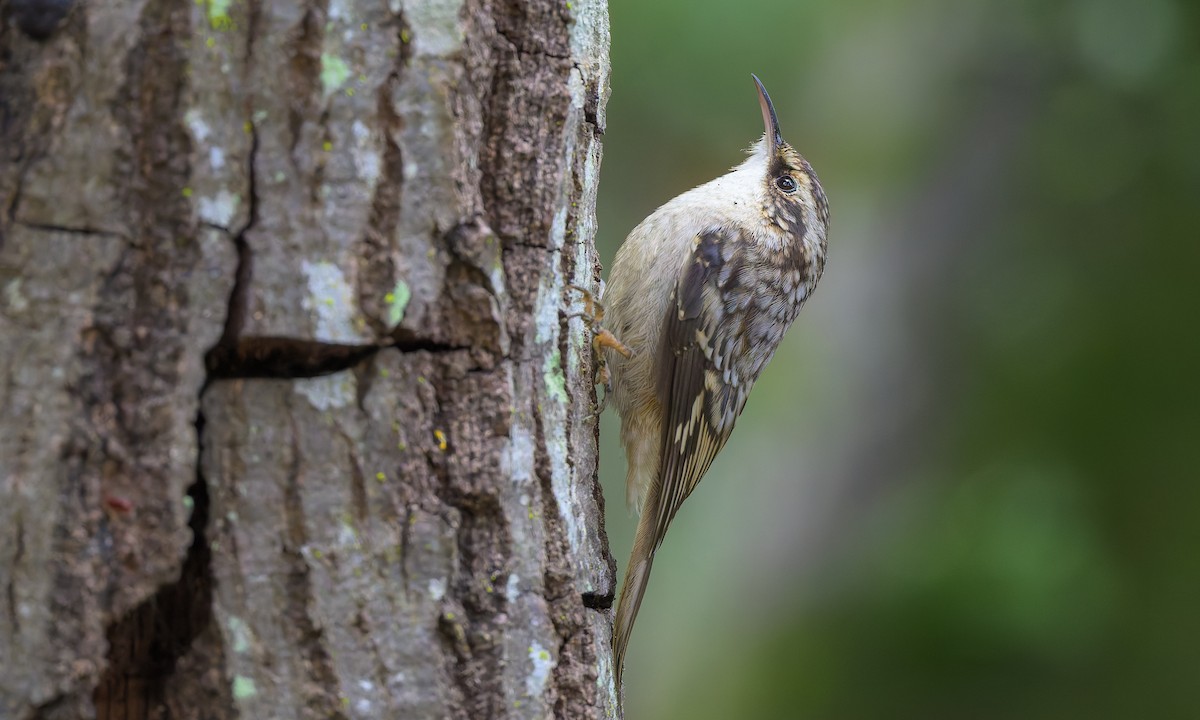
(700, 397)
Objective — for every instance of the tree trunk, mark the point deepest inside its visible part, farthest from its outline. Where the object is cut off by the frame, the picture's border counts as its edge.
(294, 422)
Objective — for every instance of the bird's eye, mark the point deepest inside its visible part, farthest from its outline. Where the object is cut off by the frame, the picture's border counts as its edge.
(786, 183)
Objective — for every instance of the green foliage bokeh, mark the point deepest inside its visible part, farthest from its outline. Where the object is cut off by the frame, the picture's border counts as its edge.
(1025, 177)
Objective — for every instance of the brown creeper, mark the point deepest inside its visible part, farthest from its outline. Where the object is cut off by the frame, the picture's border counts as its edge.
(703, 291)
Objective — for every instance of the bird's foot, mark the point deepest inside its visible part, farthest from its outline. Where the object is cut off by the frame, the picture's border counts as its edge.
(593, 316)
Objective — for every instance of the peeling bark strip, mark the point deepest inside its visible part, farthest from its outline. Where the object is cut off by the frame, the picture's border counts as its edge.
(339, 234)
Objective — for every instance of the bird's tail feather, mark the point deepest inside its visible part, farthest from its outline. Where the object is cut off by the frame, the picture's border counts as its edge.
(637, 574)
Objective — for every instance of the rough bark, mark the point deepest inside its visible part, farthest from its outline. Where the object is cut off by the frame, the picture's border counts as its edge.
(295, 421)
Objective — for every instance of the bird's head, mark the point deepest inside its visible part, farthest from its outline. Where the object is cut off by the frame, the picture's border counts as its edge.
(792, 198)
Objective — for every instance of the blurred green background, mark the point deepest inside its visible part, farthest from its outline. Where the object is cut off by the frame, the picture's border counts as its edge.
(968, 485)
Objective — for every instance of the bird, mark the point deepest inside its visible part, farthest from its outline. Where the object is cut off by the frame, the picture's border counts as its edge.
(698, 299)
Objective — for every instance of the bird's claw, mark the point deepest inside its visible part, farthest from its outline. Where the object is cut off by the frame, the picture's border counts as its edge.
(592, 314)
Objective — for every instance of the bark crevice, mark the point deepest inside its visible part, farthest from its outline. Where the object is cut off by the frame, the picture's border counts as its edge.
(68, 229)
(227, 353)
(146, 644)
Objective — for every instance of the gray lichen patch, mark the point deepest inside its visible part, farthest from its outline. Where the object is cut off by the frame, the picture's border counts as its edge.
(329, 392)
(221, 209)
(330, 301)
(542, 663)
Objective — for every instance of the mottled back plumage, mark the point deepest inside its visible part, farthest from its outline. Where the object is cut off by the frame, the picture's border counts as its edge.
(703, 291)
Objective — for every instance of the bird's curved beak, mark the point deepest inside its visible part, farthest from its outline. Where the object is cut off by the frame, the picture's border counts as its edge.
(770, 122)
